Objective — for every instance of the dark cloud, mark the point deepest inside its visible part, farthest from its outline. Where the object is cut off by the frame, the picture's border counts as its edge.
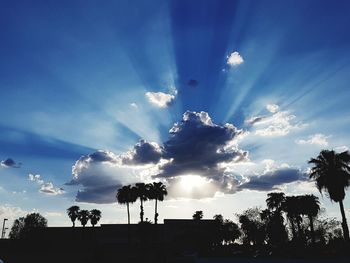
(143, 153)
(193, 83)
(255, 120)
(10, 163)
(196, 146)
(98, 195)
(273, 179)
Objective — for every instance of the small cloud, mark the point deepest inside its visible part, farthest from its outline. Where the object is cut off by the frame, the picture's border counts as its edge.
(45, 187)
(279, 123)
(234, 59)
(10, 163)
(134, 105)
(48, 188)
(273, 108)
(193, 83)
(342, 148)
(161, 99)
(316, 139)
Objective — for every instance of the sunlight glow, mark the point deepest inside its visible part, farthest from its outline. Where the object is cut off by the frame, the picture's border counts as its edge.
(189, 182)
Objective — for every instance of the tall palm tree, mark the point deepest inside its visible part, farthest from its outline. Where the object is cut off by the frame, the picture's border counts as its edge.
(73, 213)
(310, 208)
(274, 201)
(83, 217)
(157, 191)
(127, 195)
(95, 216)
(291, 207)
(331, 172)
(142, 192)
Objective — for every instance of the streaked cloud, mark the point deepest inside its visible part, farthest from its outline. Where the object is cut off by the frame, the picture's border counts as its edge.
(315, 139)
(45, 187)
(278, 123)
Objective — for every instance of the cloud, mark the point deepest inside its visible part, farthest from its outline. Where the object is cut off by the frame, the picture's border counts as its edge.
(100, 175)
(279, 123)
(11, 212)
(316, 139)
(196, 147)
(48, 188)
(273, 177)
(273, 108)
(143, 153)
(10, 163)
(134, 105)
(193, 83)
(45, 187)
(161, 99)
(234, 59)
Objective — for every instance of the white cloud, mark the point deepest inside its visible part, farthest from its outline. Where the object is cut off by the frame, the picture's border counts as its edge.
(45, 187)
(273, 108)
(134, 105)
(316, 139)
(280, 123)
(234, 59)
(48, 188)
(11, 212)
(161, 99)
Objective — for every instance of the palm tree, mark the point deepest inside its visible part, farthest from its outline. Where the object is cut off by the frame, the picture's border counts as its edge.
(310, 208)
(73, 213)
(331, 172)
(95, 216)
(291, 207)
(275, 200)
(157, 191)
(142, 192)
(127, 195)
(83, 217)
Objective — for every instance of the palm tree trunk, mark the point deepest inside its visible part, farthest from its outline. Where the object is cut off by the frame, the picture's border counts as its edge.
(344, 223)
(141, 213)
(312, 229)
(127, 207)
(73, 223)
(155, 213)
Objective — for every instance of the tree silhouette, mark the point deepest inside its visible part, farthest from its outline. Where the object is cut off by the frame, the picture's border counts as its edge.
(73, 213)
(23, 225)
(198, 215)
(331, 171)
(127, 195)
(291, 207)
(157, 191)
(275, 201)
(252, 226)
(142, 192)
(95, 216)
(83, 217)
(310, 207)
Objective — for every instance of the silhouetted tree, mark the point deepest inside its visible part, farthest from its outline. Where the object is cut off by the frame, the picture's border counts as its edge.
(231, 231)
(22, 225)
(275, 201)
(142, 192)
(252, 226)
(157, 191)
(331, 171)
(198, 215)
(95, 216)
(291, 206)
(73, 212)
(83, 217)
(127, 195)
(310, 207)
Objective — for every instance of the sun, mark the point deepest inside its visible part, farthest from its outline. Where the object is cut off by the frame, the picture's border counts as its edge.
(190, 182)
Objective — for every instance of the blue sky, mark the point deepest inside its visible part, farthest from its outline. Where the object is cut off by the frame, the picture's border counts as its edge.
(83, 82)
